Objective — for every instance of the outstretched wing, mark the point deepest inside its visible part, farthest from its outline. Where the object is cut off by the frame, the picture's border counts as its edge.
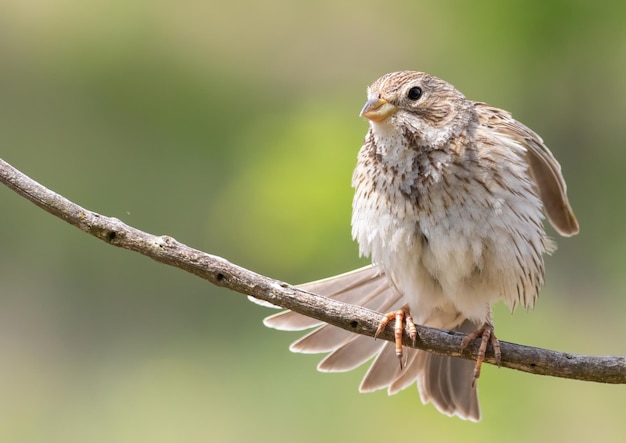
(444, 381)
(543, 167)
(364, 287)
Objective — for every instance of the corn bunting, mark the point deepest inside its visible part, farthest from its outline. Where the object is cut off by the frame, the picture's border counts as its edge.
(449, 203)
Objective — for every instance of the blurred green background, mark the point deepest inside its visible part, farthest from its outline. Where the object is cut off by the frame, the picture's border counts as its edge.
(233, 127)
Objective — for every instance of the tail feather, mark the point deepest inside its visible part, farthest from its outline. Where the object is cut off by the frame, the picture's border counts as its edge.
(446, 382)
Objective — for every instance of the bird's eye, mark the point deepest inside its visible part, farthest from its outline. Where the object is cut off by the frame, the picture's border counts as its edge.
(414, 93)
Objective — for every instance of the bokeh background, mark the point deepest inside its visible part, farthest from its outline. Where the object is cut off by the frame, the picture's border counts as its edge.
(233, 127)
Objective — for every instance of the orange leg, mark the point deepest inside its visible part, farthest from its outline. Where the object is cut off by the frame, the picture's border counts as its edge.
(402, 316)
(485, 332)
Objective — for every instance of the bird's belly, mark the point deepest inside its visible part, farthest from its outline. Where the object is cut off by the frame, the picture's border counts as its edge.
(440, 261)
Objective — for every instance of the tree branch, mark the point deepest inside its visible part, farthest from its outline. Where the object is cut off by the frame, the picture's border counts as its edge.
(356, 319)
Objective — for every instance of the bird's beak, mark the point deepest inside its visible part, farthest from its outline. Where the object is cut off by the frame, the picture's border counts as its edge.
(378, 109)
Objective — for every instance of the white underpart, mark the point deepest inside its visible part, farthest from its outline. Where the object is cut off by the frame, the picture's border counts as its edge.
(478, 249)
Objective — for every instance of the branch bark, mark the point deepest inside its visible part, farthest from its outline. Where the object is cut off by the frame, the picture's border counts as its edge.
(356, 319)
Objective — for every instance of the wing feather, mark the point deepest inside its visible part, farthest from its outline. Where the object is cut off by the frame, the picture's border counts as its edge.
(544, 169)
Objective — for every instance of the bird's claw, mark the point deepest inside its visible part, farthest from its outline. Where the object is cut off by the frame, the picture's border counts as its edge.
(485, 332)
(402, 316)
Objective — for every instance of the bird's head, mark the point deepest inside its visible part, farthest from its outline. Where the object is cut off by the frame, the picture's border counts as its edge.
(418, 106)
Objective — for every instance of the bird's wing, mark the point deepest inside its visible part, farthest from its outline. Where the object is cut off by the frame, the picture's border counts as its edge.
(544, 168)
(366, 287)
(444, 381)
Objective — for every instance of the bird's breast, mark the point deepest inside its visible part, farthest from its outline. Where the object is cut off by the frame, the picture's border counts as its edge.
(454, 230)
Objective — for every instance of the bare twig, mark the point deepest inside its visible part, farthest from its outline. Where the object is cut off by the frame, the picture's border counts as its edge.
(164, 249)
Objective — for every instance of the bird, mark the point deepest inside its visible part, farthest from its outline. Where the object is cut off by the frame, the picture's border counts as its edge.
(450, 196)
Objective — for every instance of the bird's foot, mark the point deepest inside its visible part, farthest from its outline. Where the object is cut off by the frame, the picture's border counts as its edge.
(485, 332)
(402, 316)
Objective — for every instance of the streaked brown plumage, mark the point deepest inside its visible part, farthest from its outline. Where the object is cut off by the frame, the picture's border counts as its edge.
(448, 203)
